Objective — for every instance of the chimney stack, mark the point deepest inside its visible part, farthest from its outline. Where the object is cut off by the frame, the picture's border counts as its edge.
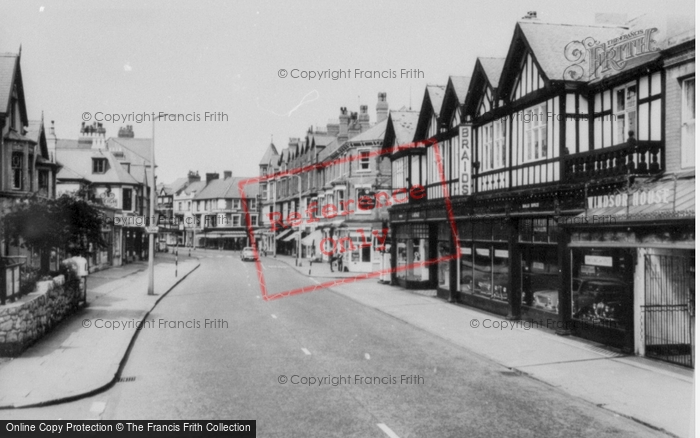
(344, 121)
(382, 108)
(364, 118)
(126, 132)
(332, 128)
(531, 15)
(51, 141)
(228, 174)
(211, 177)
(193, 177)
(92, 136)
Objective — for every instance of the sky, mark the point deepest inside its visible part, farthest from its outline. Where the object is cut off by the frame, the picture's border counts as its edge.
(194, 57)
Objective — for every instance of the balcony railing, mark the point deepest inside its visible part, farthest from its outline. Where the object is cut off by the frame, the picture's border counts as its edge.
(636, 158)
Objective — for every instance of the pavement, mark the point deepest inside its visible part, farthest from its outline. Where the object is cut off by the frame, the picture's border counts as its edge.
(654, 393)
(84, 353)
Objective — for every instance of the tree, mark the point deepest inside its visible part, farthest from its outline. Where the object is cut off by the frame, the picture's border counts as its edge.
(69, 223)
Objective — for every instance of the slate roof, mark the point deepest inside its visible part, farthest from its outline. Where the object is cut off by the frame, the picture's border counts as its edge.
(375, 133)
(493, 67)
(194, 187)
(548, 42)
(226, 188)
(436, 93)
(175, 186)
(461, 86)
(136, 150)
(8, 64)
(79, 161)
(270, 154)
(404, 124)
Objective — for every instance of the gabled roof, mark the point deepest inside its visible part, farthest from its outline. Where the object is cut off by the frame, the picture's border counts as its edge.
(455, 96)
(551, 45)
(492, 67)
(487, 73)
(173, 187)
(79, 161)
(270, 155)
(401, 125)
(10, 75)
(227, 189)
(430, 107)
(323, 140)
(35, 131)
(328, 150)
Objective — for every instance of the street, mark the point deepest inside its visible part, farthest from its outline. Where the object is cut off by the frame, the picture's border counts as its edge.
(375, 376)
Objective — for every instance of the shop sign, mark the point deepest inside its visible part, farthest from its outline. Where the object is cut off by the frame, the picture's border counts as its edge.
(483, 252)
(416, 215)
(501, 253)
(465, 159)
(598, 261)
(634, 199)
(466, 250)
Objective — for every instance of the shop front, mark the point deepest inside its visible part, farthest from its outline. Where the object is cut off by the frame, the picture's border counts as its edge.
(632, 269)
(415, 250)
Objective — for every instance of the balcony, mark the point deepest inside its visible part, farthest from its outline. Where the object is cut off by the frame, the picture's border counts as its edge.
(634, 158)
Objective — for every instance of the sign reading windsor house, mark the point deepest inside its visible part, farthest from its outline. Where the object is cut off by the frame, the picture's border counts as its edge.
(646, 197)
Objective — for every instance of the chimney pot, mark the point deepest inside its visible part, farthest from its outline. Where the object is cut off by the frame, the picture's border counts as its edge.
(228, 174)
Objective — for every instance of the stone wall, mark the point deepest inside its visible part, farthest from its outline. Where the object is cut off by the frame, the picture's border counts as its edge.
(28, 319)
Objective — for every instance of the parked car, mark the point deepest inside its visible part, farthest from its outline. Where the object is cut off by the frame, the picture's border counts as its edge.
(247, 253)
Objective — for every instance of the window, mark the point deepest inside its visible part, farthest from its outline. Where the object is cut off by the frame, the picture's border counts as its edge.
(43, 180)
(252, 204)
(179, 206)
(535, 121)
(625, 112)
(236, 204)
(30, 171)
(99, 165)
(236, 220)
(126, 199)
(364, 161)
(17, 170)
(341, 201)
(253, 220)
(688, 124)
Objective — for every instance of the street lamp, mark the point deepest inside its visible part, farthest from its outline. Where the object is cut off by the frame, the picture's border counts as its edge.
(151, 236)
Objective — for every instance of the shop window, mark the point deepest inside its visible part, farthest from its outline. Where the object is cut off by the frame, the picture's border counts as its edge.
(17, 170)
(625, 112)
(540, 277)
(444, 239)
(541, 230)
(412, 250)
(600, 287)
(688, 124)
(484, 262)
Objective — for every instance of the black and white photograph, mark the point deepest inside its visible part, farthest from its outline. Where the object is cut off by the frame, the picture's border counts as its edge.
(363, 219)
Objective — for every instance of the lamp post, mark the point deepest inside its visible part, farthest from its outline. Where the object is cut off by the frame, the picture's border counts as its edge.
(151, 236)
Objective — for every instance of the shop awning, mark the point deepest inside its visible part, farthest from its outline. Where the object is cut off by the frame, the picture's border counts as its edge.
(292, 236)
(646, 200)
(284, 234)
(312, 239)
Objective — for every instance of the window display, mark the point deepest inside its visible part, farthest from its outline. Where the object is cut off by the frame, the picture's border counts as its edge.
(412, 249)
(484, 267)
(444, 238)
(600, 293)
(540, 278)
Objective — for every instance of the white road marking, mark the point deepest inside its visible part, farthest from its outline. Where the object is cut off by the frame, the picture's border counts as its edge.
(98, 407)
(307, 352)
(274, 316)
(386, 430)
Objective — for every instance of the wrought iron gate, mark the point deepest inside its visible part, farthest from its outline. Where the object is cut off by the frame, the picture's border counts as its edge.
(669, 310)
